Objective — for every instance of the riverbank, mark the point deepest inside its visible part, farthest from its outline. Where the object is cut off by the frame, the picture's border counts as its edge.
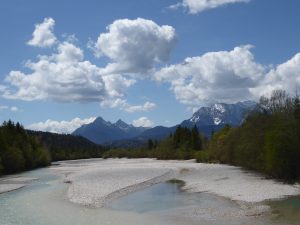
(96, 182)
(13, 182)
(130, 191)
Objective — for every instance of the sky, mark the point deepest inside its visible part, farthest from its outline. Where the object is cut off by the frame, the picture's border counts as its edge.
(63, 63)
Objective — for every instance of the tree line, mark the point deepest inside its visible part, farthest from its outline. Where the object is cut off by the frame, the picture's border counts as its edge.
(21, 149)
(183, 144)
(67, 146)
(268, 141)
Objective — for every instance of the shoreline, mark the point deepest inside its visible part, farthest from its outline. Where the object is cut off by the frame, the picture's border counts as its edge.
(97, 182)
(91, 184)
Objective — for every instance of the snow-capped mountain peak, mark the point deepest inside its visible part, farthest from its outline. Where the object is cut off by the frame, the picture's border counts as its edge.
(219, 107)
(222, 113)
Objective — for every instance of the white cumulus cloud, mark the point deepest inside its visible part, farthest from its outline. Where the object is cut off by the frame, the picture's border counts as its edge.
(62, 76)
(135, 46)
(66, 76)
(43, 35)
(65, 127)
(142, 122)
(224, 76)
(285, 76)
(197, 6)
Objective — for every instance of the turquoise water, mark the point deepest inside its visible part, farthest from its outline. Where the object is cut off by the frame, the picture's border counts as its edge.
(286, 210)
(44, 202)
(167, 196)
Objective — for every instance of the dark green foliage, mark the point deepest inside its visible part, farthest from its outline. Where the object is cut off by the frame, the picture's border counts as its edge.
(297, 114)
(196, 139)
(150, 144)
(183, 144)
(268, 141)
(19, 150)
(23, 150)
(282, 149)
(1, 166)
(66, 146)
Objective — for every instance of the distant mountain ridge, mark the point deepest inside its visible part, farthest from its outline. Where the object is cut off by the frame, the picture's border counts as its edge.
(207, 119)
(101, 131)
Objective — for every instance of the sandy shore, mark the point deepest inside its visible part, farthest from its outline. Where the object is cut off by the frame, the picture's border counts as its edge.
(95, 182)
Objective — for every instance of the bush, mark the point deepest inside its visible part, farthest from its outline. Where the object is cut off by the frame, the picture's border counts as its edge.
(202, 156)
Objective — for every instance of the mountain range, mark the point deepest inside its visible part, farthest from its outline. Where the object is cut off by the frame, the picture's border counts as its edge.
(101, 131)
(207, 119)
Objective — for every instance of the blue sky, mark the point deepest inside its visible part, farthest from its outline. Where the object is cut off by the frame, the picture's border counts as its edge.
(64, 59)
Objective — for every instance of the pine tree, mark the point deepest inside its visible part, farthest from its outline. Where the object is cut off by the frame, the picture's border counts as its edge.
(297, 114)
(150, 144)
(196, 139)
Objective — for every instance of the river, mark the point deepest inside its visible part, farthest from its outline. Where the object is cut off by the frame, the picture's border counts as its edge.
(44, 202)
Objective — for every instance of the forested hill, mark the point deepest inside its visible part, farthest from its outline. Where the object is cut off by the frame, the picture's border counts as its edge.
(66, 146)
(20, 150)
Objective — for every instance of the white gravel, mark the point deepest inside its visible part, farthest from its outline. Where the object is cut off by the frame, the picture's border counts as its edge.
(236, 184)
(95, 182)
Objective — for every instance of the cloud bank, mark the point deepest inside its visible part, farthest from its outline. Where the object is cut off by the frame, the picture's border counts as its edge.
(133, 46)
(139, 49)
(228, 76)
(61, 127)
(284, 76)
(224, 76)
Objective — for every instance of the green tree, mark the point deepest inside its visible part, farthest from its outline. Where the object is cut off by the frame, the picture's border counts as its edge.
(196, 139)
(1, 166)
(282, 150)
(150, 144)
